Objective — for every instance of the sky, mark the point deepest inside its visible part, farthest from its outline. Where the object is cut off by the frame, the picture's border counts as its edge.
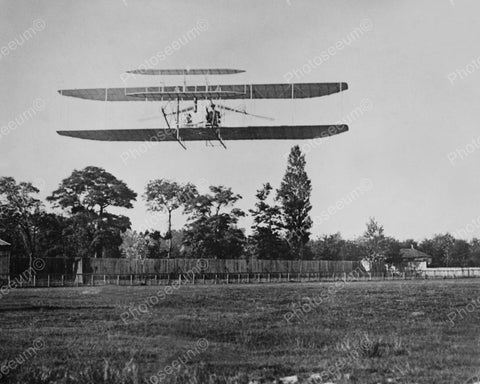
(410, 158)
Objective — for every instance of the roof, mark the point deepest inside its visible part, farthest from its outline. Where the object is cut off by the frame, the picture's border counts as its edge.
(4, 243)
(414, 254)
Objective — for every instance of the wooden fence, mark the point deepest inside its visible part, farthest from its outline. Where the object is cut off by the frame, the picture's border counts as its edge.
(86, 271)
(64, 266)
(55, 280)
(195, 276)
(158, 266)
(79, 268)
(4, 265)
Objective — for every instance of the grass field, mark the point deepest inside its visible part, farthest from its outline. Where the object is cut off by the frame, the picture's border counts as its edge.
(354, 332)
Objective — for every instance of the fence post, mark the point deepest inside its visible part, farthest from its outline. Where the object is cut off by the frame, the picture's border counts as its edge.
(248, 278)
(203, 277)
(118, 279)
(155, 279)
(48, 281)
(268, 278)
(193, 279)
(63, 281)
(34, 281)
(179, 279)
(104, 280)
(131, 279)
(288, 276)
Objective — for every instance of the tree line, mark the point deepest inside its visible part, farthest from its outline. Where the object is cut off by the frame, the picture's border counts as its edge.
(281, 223)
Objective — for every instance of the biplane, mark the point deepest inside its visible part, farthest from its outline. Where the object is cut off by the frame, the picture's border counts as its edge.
(188, 101)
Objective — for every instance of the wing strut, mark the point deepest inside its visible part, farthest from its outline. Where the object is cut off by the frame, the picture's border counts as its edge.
(175, 135)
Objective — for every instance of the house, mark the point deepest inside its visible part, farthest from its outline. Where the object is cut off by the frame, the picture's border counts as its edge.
(414, 260)
(4, 248)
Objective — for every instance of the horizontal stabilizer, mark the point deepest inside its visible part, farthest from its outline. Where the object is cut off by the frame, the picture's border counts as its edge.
(186, 72)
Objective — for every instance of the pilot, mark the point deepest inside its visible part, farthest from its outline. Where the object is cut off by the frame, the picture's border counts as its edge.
(209, 117)
(213, 116)
(216, 118)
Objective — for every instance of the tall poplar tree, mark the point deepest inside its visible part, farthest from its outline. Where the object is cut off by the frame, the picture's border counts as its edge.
(294, 197)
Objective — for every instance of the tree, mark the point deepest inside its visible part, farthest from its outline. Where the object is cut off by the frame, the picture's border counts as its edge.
(92, 189)
(177, 249)
(134, 245)
(51, 241)
(459, 253)
(294, 196)
(375, 242)
(107, 234)
(167, 196)
(89, 192)
(266, 240)
(212, 228)
(354, 250)
(474, 256)
(439, 247)
(19, 213)
(392, 250)
(79, 235)
(328, 247)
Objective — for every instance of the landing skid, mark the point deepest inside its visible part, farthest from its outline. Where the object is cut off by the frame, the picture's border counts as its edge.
(175, 133)
(216, 131)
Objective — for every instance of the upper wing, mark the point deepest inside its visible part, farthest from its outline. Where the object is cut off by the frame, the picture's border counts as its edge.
(282, 132)
(245, 91)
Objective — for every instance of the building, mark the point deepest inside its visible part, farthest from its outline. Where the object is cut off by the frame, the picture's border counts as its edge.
(414, 260)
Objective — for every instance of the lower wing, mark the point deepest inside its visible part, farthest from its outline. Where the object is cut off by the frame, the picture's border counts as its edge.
(280, 132)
